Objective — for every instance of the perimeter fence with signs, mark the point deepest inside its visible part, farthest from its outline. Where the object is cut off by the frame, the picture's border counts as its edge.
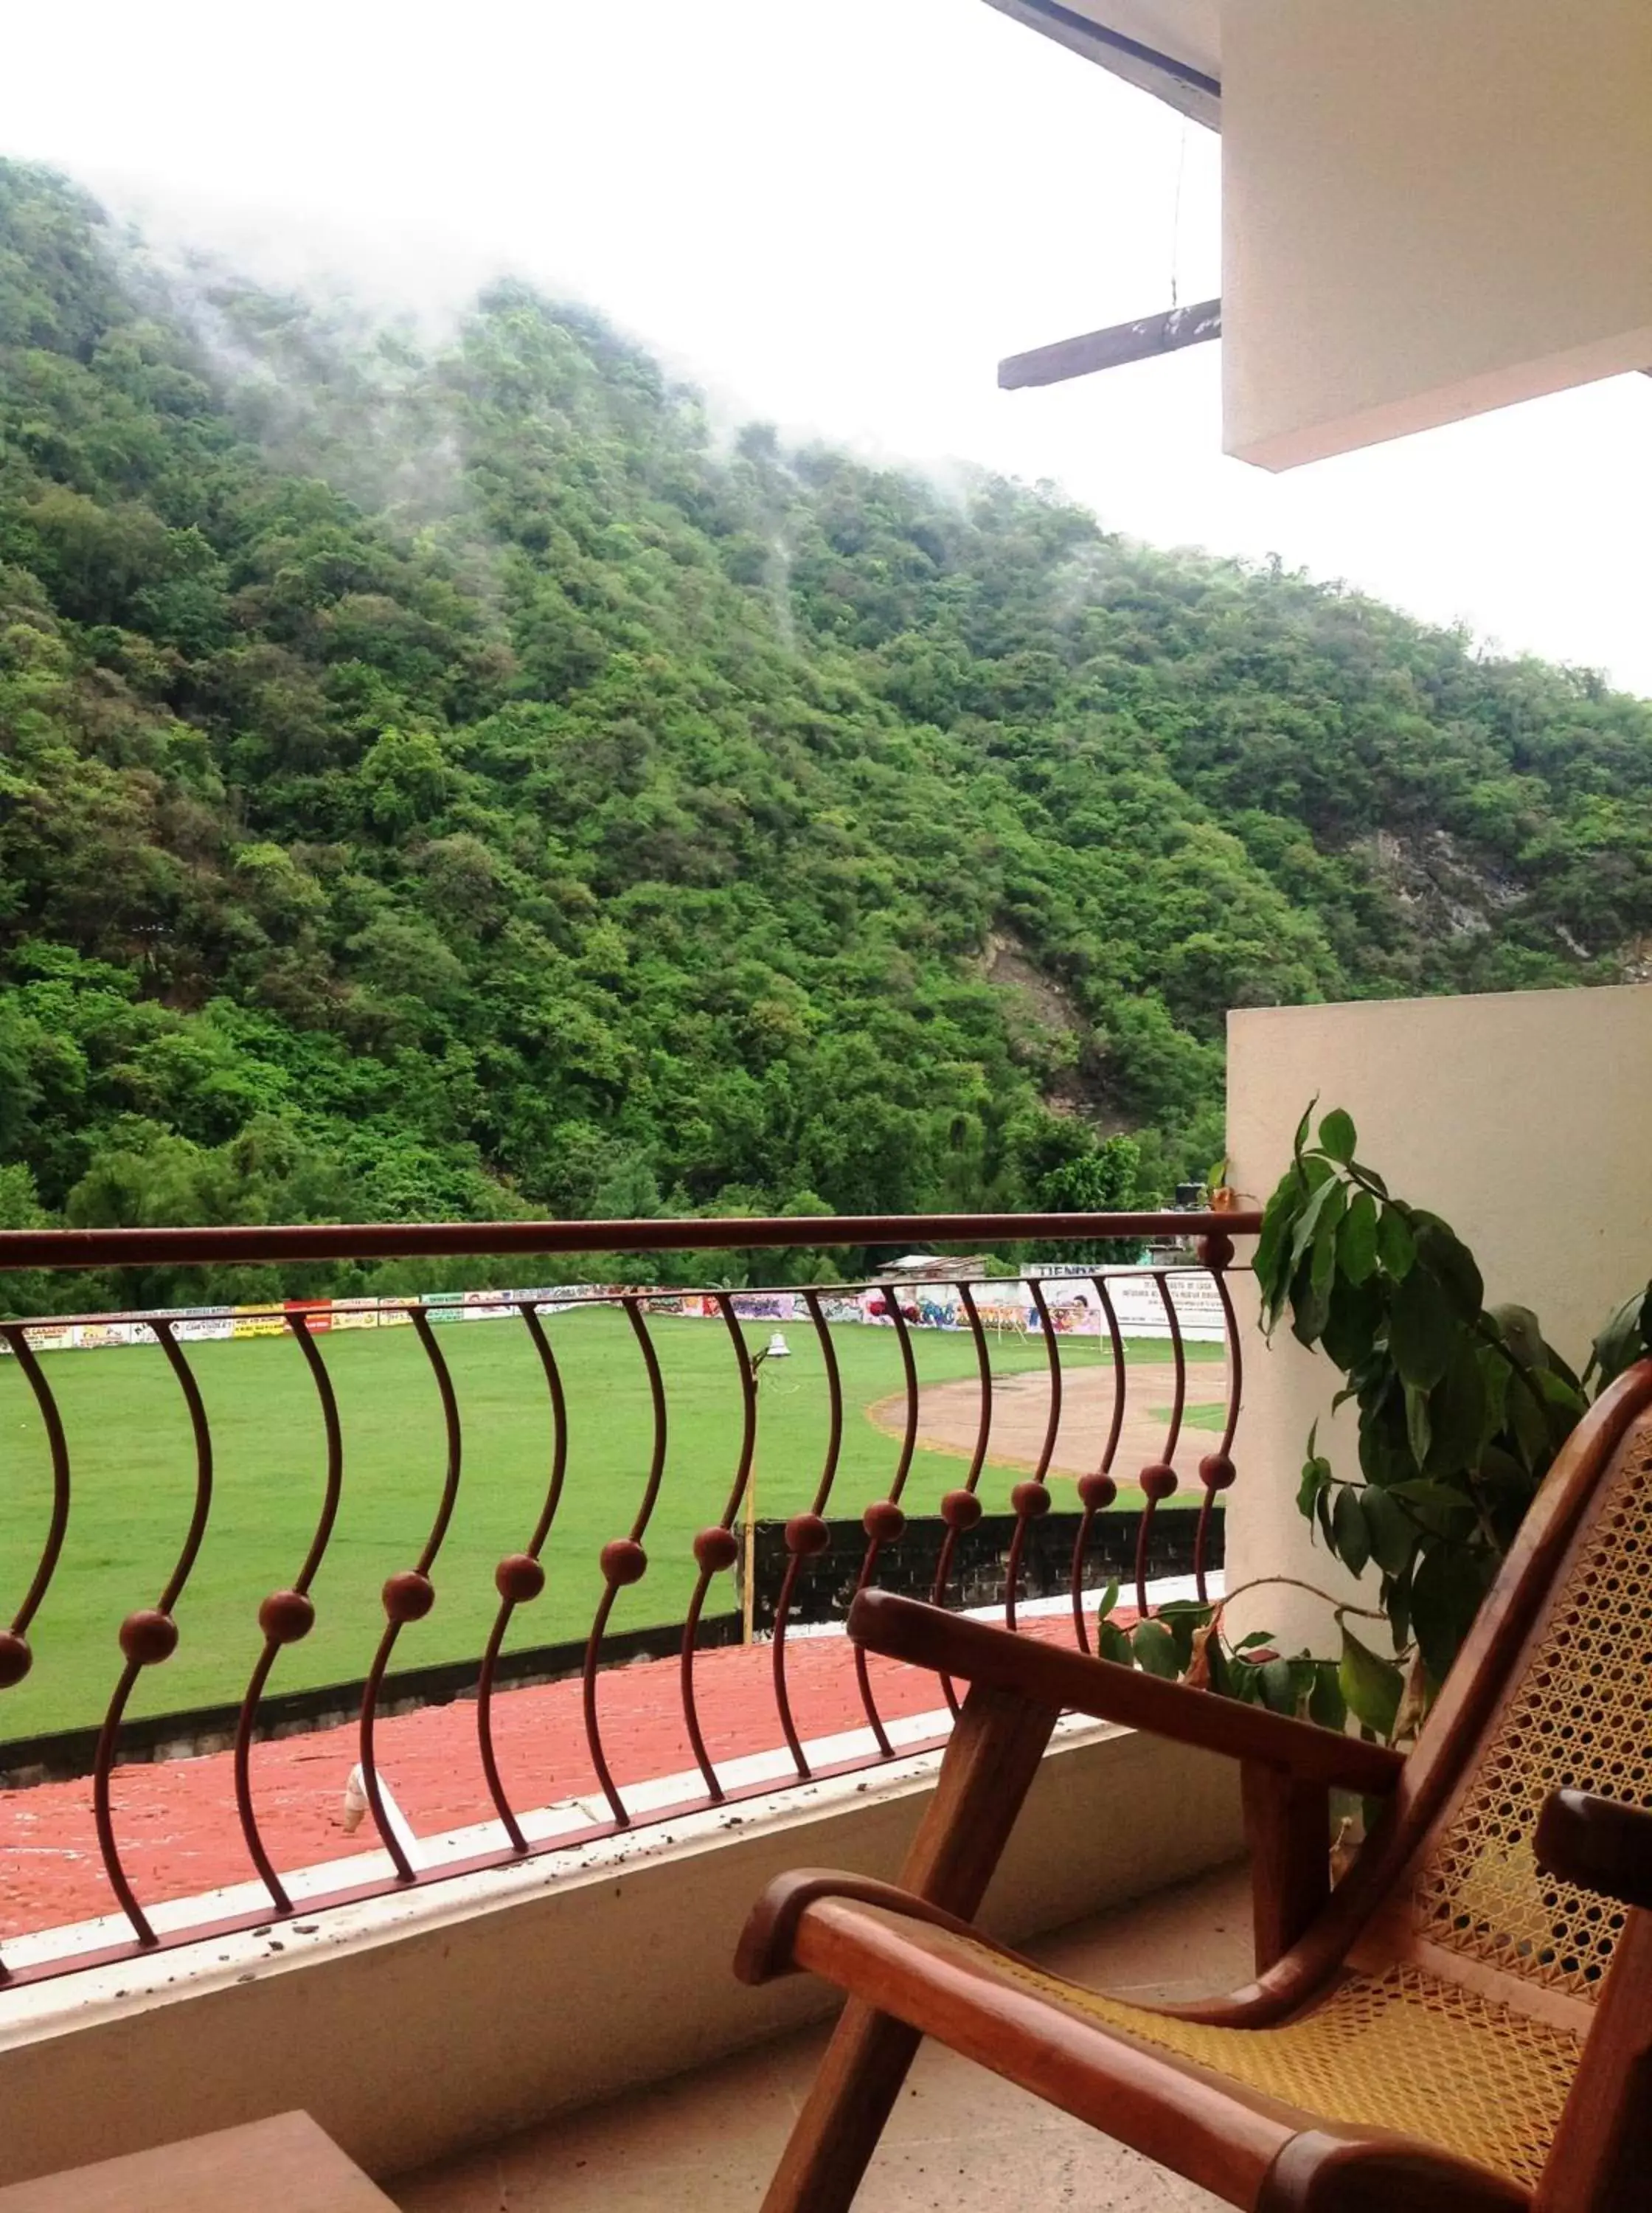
(1143, 1301)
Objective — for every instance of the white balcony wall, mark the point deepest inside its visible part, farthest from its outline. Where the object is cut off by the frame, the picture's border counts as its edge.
(420, 2026)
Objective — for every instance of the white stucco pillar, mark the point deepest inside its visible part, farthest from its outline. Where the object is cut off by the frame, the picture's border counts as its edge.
(1430, 208)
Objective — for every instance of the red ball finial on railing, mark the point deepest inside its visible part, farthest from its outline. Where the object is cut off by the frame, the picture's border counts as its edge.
(286, 1617)
(519, 1578)
(624, 1560)
(715, 1549)
(409, 1596)
(807, 1534)
(149, 1636)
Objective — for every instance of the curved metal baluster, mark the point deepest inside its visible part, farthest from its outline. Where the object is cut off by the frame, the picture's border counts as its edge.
(1216, 1469)
(624, 1560)
(884, 1520)
(1120, 1386)
(964, 1517)
(286, 1616)
(14, 1663)
(519, 1578)
(716, 1547)
(808, 1535)
(1158, 1479)
(1030, 1500)
(1178, 1354)
(1097, 1491)
(409, 1595)
(1052, 1337)
(15, 1656)
(151, 1636)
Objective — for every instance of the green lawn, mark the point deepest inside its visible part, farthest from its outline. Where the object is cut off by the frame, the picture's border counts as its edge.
(133, 1479)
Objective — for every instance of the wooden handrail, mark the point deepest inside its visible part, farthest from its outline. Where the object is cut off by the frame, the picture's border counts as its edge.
(1048, 1676)
(1599, 1843)
(239, 1243)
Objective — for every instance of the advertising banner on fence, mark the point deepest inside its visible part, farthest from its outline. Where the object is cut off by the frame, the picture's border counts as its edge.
(204, 1325)
(61, 1339)
(554, 1298)
(1005, 1304)
(257, 1321)
(97, 1336)
(1075, 1304)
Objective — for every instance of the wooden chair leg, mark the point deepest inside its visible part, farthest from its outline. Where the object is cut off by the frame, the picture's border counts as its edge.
(1287, 1830)
(989, 1767)
(1601, 2156)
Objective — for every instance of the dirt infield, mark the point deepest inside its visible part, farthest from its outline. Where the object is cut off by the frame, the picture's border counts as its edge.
(949, 1415)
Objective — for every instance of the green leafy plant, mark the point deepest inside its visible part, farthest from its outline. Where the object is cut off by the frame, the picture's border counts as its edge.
(1462, 1407)
(1183, 1641)
(1461, 1411)
(1625, 1339)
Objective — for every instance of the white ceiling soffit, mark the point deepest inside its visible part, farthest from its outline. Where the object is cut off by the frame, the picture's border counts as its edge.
(1171, 48)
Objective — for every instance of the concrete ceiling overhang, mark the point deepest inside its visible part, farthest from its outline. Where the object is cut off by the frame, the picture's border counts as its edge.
(1454, 197)
(1171, 48)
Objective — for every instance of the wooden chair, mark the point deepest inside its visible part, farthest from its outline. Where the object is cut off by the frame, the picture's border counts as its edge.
(1464, 2022)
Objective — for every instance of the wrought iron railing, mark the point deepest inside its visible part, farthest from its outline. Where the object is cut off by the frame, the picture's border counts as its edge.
(1058, 1406)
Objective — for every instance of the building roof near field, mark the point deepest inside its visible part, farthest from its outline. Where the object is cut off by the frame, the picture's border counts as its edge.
(919, 1267)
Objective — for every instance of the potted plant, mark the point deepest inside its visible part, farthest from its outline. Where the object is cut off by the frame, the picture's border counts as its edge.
(1462, 1409)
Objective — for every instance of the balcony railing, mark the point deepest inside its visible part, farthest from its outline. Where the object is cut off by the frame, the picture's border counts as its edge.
(628, 1457)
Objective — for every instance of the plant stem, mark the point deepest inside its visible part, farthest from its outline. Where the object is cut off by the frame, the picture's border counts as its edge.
(1295, 1583)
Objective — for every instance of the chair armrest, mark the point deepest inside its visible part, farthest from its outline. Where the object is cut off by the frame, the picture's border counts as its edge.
(1047, 1675)
(1598, 1844)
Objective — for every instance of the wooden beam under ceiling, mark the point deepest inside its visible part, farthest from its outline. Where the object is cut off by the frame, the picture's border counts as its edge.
(1110, 349)
(1179, 83)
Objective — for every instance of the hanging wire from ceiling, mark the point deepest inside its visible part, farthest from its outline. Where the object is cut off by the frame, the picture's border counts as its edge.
(1175, 220)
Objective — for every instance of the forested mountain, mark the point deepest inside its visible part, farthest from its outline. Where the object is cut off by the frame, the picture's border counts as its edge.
(452, 781)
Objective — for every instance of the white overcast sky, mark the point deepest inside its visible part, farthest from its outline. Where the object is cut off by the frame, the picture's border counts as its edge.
(839, 218)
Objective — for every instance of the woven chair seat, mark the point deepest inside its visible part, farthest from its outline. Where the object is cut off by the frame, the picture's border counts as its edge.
(1403, 2050)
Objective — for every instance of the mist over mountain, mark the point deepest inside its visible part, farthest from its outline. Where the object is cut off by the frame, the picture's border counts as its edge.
(447, 780)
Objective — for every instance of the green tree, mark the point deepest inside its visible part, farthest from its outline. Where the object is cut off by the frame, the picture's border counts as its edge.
(456, 773)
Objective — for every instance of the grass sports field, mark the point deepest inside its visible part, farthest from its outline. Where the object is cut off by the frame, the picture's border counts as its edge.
(133, 1479)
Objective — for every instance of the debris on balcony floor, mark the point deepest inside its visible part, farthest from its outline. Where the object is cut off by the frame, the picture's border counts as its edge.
(960, 2139)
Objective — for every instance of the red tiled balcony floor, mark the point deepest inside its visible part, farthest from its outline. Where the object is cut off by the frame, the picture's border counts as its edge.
(178, 1833)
